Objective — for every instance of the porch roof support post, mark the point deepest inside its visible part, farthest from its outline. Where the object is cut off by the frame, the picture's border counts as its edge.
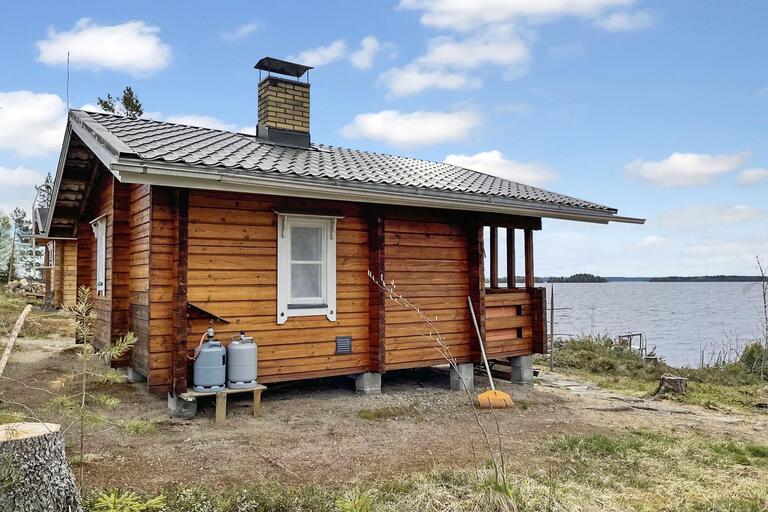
(511, 275)
(494, 257)
(529, 281)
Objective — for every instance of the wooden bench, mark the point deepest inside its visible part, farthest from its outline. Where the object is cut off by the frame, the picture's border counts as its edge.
(221, 399)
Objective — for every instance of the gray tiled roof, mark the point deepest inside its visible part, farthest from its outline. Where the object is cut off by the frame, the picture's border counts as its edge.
(247, 155)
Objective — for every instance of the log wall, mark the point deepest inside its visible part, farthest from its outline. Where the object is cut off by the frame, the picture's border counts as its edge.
(429, 262)
(101, 197)
(232, 273)
(138, 272)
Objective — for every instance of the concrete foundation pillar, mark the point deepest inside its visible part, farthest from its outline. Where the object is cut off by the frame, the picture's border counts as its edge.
(134, 377)
(181, 408)
(368, 383)
(464, 372)
(522, 369)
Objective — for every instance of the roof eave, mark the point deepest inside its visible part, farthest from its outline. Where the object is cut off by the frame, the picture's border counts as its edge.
(187, 176)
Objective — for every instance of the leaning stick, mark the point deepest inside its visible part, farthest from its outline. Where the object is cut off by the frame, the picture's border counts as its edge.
(14, 335)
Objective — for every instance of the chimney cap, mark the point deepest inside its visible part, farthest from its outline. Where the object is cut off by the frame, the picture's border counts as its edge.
(282, 67)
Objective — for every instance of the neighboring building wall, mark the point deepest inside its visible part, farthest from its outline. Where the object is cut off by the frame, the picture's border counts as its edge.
(138, 273)
(66, 253)
(429, 262)
(232, 273)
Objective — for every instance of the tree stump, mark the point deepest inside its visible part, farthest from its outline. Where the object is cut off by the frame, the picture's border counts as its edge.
(34, 473)
(671, 384)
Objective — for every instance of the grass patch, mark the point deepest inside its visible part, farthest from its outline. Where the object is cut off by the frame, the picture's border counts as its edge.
(391, 412)
(39, 324)
(138, 426)
(733, 385)
(634, 470)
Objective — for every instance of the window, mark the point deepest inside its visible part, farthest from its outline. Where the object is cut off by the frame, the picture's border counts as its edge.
(306, 266)
(100, 232)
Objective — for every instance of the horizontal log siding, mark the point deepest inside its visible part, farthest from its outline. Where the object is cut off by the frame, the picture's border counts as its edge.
(232, 272)
(162, 252)
(429, 262)
(120, 271)
(138, 270)
(503, 324)
(101, 198)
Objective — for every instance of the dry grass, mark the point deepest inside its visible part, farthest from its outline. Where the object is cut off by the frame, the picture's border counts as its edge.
(39, 323)
(636, 470)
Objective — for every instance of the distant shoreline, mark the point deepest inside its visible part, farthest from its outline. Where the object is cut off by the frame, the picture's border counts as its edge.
(667, 279)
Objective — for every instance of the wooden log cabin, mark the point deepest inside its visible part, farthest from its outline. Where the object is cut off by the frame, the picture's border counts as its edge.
(179, 227)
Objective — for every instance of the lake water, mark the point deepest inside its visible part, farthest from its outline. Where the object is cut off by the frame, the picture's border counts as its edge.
(680, 319)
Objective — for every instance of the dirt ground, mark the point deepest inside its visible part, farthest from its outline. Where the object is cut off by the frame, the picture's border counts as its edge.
(312, 431)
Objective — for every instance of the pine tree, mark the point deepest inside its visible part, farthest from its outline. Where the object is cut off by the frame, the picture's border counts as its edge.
(6, 237)
(127, 105)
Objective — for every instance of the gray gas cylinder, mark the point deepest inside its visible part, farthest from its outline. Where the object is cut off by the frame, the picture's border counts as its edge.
(241, 362)
(210, 365)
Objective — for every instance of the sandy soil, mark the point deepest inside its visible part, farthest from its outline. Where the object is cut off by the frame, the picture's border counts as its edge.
(311, 431)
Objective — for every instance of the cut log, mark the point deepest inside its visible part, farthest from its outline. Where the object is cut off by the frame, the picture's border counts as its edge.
(34, 473)
(671, 384)
(14, 335)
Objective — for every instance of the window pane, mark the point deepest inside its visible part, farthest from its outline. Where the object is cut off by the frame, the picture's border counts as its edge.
(306, 244)
(305, 280)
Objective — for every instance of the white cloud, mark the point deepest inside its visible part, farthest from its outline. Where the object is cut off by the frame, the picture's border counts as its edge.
(133, 47)
(752, 176)
(683, 169)
(496, 46)
(412, 79)
(20, 177)
(651, 242)
(494, 163)
(465, 15)
(414, 128)
(322, 55)
(626, 21)
(31, 124)
(363, 58)
(736, 253)
(705, 216)
(448, 59)
(240, 32)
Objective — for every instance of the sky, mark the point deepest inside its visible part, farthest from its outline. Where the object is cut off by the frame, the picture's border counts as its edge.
(659, 109)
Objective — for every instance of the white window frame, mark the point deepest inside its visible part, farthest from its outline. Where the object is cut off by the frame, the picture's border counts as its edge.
(316, 306)
(99, 226)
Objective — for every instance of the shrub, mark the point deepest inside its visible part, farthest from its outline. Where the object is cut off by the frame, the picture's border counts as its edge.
(755, 359)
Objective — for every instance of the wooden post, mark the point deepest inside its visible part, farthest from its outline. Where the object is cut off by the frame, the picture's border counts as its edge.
(257, 402)
(494, 257)
(529, 281)
(179, 299)
(221, 406)
(376, 298)
(476, 248)
(552, 328)
(511, 274)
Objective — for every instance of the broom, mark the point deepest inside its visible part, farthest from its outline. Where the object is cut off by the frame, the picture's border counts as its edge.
(492, 399)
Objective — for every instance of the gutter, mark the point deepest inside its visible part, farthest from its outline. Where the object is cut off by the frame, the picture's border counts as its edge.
(196, 177)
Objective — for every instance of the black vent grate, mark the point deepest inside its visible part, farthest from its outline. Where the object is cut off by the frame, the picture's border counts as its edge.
(343, 345)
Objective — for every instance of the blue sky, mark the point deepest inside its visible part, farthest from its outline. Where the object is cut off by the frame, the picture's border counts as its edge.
(656, 108)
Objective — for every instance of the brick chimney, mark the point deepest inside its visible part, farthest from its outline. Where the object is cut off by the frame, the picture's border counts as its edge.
(283, 103)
